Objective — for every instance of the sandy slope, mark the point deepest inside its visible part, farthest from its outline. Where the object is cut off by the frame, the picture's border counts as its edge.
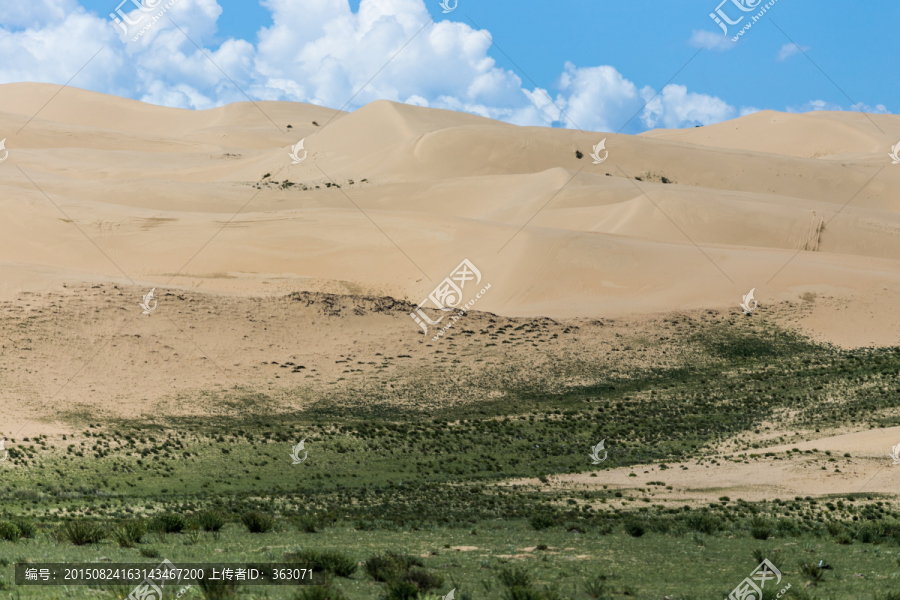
(786, 475)
(151, 187)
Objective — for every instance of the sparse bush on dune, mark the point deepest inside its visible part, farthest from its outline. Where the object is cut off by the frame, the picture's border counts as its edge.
(401, 590)
(257, 522)
(129, 533)
(541, 522)
(517, 583)
(424, 580)
(382, 568)
(634, 528)
(703, 522)
(333, 562)
(211, 520)
(9, 532)
(27, 529)
(320, 592)
(82, 533)
(760, 528)
(168, 523)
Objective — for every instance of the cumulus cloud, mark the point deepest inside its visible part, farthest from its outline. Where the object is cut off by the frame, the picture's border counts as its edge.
(676, 107)
(321, 52)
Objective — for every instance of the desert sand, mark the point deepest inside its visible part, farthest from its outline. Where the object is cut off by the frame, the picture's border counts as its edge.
(556, 235)
(784, 474)
(259, 263)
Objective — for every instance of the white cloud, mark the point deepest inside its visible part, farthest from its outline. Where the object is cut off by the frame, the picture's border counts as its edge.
(676, 107)
(788, 50)
(878, 108)
(320, 51)
(710, 41)
(596, 98)
(35, 14)
(815, 105)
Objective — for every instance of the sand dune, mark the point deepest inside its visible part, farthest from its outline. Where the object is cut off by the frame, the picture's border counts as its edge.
(673, 219)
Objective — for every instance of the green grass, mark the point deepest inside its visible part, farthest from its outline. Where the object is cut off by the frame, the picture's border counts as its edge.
(570, 565)
(385, 481)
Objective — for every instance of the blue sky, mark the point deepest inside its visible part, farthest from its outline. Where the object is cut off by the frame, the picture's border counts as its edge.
(612, 55)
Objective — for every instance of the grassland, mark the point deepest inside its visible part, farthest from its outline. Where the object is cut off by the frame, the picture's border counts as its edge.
(467, 486)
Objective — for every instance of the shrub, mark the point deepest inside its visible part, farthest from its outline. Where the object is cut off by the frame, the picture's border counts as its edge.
(704, 522)
(9, 531)
(257, 522)
(787, 528)
(514, 576)
(834, 528)
(760, 533)
(81, 533)
(659, 525)
(168, 523)
(320, 592)
(211, 520)
(405, 561)
(843, 538)
(869, 533)
(813, 573)
(129, 533)
(401, 590)
(634, 528)
(423, 580)
(596, 588)
(307, 524)
(540, 522)
(760, 529)
(332, 562)
(382, 569)
(26, 528)
(518, 586)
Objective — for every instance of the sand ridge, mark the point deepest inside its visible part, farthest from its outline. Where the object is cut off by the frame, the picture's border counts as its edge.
(421, 189)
